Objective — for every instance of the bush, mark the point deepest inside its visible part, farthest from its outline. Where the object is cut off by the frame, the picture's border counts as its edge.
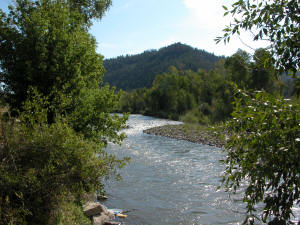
(42, 162)
(264, 150)
(195, 116)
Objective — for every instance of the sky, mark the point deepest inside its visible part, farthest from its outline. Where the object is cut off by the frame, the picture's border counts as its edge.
(134, 26)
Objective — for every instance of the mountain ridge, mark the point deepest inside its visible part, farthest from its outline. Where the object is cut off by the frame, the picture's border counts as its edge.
(138, 71)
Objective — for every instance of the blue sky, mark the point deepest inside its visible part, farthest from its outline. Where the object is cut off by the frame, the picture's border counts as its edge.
(133, 26)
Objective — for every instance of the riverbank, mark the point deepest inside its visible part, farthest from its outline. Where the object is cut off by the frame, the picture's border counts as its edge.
(193, 133)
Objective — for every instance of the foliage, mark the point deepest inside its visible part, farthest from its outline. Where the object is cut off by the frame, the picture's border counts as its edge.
(90, 9)
(263, 150)
(195, 116)
(263, 72)
(52, 152)
(297, 87)
(172, 94)
(238, 67)
(33, 38)
(276, 21)
(40, 163)
(89, 113)
(201, 96)
(176, 93)
(264, 145)
(138, 71)
(256, 72)
(45, 44)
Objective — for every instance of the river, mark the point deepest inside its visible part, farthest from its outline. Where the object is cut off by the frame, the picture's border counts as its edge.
(170, 182)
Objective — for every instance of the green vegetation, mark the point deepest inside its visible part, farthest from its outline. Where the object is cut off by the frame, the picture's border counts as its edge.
(202, 97)
(44, 166)
(51, 149)
(264, 145)
(276, 21)
(139, 71)
(46, 45)
(264, 150)
(59, 118)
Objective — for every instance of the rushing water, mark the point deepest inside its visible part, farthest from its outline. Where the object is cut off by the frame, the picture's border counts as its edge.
(170, 181)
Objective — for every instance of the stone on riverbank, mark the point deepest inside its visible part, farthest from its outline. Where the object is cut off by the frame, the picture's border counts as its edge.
(98, 213)
(100, 219)
(93, 208)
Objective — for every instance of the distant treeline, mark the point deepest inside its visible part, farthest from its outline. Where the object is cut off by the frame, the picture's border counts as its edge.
(203, 96)
(139, 71)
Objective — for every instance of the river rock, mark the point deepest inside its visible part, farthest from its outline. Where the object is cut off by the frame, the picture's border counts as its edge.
(102, 197)
(100, 219)
(94, 208)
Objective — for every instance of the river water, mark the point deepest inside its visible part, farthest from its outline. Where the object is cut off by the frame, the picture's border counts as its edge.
(170, 181)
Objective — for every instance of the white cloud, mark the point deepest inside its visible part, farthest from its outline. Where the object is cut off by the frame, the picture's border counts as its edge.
(205, 14)
(206, 22)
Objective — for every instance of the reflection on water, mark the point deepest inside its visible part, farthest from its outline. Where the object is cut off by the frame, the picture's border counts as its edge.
(170, 181)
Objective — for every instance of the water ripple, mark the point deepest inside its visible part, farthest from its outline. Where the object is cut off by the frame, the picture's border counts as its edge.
(170, 181)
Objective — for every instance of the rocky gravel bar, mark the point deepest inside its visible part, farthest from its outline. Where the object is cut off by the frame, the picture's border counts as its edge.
(192, 133)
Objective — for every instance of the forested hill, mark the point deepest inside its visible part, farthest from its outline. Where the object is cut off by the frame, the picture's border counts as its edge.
(138, 71)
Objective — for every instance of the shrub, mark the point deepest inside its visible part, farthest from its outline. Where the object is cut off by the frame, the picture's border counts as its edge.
(40, 162)
(263, 151)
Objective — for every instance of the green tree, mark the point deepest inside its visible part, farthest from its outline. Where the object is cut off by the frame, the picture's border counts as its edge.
(45, 44)
(52, 153)
(263, 147)
(296, 90)
(204, 97)
(90, 9)
(238, 70)
(263, 74)
(33, 37)
(276, 21)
